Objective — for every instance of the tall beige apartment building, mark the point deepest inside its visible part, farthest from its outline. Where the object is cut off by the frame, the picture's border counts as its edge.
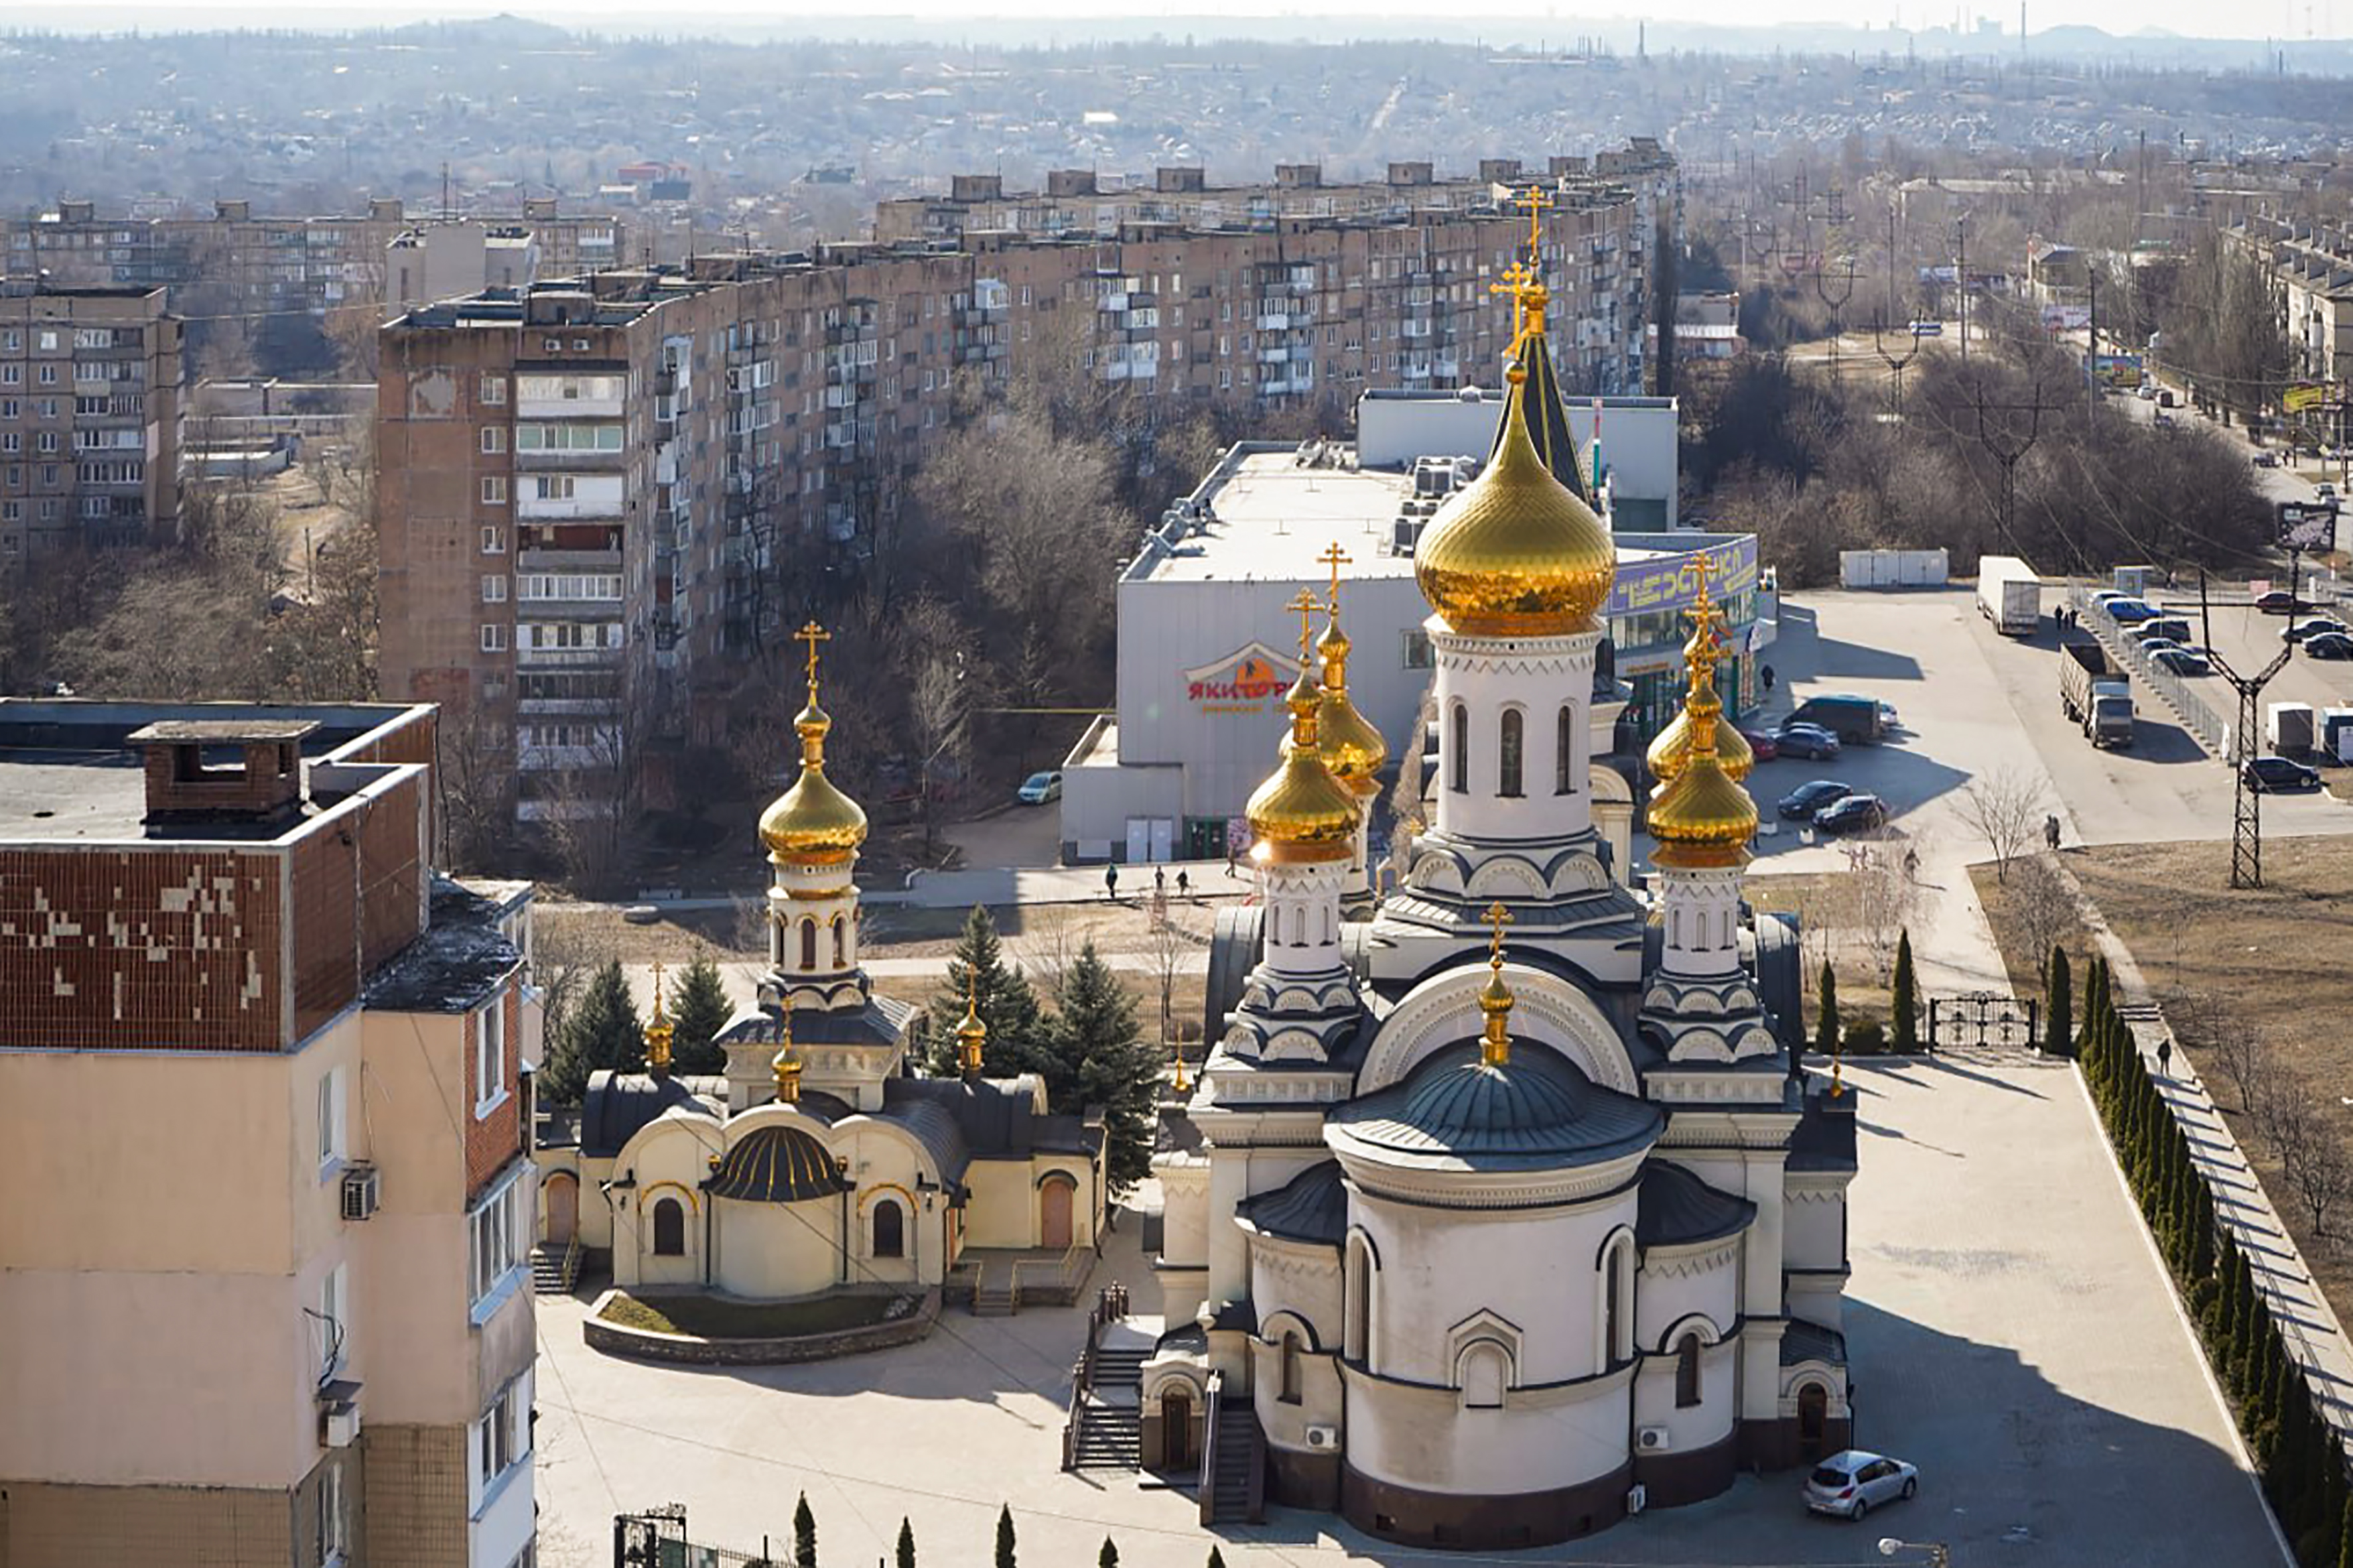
(89, 417)
(263, 1267)
(587, 489)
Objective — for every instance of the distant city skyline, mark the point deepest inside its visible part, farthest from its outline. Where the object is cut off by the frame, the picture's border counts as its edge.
(2289, 20)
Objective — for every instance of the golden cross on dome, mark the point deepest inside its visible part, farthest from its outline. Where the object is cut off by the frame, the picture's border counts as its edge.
(1335, 557)
(812, 634)
(1497, 917)
(1305, 602)
(658, 1002)
(1517, 280)
(1536, 201)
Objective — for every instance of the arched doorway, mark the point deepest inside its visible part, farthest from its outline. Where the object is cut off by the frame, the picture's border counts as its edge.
(1813, 1415)
(562, 1210)
(1176, 1430)
(1054, 1195)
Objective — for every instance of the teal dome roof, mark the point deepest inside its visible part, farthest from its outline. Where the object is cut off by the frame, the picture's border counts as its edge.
(1534, 1112)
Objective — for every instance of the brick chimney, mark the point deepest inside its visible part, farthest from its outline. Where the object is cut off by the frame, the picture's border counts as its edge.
(222, 770)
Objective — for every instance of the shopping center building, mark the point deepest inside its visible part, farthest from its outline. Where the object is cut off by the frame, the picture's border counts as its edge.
(1199, 682)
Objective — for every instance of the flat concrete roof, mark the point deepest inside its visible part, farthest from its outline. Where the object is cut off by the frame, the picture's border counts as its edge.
(48, 795)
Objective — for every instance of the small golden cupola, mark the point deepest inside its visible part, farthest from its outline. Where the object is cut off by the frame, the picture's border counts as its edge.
(813, 822)
(1672, 744)
(1301, 814)
(1702, 818)
(1351, 747)
(787, 1065)
(1495, 998)
(660, 1032)
(1516, 554)
(972, 1034)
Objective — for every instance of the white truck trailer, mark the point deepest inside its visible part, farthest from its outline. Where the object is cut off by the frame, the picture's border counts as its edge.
(2010, 594)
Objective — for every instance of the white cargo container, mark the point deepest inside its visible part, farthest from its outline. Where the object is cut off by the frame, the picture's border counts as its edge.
(2010, 594)
(2288, 727)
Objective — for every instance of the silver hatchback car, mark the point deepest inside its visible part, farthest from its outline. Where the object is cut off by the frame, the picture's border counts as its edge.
(1853, 1483)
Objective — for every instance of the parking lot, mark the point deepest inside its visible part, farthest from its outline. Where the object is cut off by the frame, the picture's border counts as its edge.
(2010, 1332)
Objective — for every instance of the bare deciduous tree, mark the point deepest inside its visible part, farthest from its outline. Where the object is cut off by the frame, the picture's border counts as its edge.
(2040, 905)
(2311, 1147)
(2004, 808)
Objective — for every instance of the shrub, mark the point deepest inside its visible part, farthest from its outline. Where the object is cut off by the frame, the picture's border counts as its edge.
(1866, 1039)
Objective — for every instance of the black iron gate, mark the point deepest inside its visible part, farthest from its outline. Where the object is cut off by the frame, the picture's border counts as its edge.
(656, 1538)
(1982, 1019)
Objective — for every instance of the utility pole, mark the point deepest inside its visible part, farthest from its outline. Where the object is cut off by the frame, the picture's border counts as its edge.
(2246, 801)
(1961, 278)
(2008, 454)
(1891, 260)
(1846, 293)
(2092, 358)
(1895, 362)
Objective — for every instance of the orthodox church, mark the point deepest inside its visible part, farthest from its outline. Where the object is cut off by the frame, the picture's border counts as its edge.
(819, 1162)
(1508, 1205)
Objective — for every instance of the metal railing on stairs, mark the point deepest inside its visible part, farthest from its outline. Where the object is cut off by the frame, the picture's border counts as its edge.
(1111, 1305)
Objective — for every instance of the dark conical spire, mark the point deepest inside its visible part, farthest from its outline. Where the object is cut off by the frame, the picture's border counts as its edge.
(1547, 419)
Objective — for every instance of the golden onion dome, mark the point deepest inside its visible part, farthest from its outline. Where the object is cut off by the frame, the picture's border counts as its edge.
(1702, 818)
(1301, 814)
(1516, 554)
(1352, 748)
(1670, 748)
(813, 822)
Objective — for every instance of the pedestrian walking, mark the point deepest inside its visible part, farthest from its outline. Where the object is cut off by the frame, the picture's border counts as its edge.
(1184, 885)
(2050, 830)
(1911, 865)
(1159, 881)
(1765, 673)
(1111, 883)
(2164, 1054)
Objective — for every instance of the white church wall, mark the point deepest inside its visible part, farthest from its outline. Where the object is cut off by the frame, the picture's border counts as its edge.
(1003, 1210)
(1301, 1281)
(1814, 1229)
(1539, 1271)
(1671, 1288)
(1185, 1213)
(1543, 1438)
(774, 1250)
(1286, 1421)
(1690, 1428)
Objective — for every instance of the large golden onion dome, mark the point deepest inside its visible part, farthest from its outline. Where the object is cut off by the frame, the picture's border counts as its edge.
(1301, 814)
(1516, 554)
(813, 822)
(1351, 747)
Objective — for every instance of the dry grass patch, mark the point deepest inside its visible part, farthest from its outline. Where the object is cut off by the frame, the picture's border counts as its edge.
(724, 1317)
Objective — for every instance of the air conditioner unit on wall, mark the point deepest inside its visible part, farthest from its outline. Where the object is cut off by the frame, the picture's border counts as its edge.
(339, 1425)
(1652, 1441)
(1323, 1438)
(359, 1191)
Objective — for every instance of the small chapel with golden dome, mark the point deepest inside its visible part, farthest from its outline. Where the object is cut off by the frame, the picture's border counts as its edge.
(1503, 1202)
(819, 1162)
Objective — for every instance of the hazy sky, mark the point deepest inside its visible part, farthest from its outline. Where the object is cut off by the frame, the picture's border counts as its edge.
(2273, 18)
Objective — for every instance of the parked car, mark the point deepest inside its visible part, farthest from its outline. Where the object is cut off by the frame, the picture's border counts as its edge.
(2184, 660)
(2166, 629)
(2268, 459)
(2131, 612)
(1762, 744)
(2148, 392)
(1853, 1483)
(2166, 422)
(1810, 740)
(1800, 803)
(2101, 598)
(1853, 814)
(2324, 491)
(2330, 644)
(2312, 626)
(2280, 775)
(1041, 789)
(2278, 602)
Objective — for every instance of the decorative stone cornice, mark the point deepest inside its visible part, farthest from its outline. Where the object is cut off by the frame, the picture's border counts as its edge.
(1691, 1261)
(1444, 1009)
(1493, 1192)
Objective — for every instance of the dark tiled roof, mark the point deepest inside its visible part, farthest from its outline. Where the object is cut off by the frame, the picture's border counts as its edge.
(1311, 1206)
(777, 1166)
(618, 1104)
(1675, 1207)
(1802, 1340)
(994, 1118)
(881, 1022)
(1547, 422)
(1824, 1138)
(934, 1126)
(1536, 1112)
(454, 963)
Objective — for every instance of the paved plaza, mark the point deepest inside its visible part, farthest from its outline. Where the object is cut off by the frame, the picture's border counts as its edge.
(2012, 1332)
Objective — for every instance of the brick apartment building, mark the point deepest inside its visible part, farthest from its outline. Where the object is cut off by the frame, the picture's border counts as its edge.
(236, 260)
(262, 1113)
(583, 485)
(89, 417)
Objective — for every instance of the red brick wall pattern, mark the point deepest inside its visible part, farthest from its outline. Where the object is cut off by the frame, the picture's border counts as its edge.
(496, 1139)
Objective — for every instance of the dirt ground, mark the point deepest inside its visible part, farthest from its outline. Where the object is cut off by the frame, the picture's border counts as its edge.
(2274, 957)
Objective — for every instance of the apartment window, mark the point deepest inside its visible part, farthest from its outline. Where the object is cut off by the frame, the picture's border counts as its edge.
(501, 1438)
(498, 1245)
(48, 375)
(493, 390)
(494, 540)
(332, 1334)
(12, 511)
(330, 1118)
(494, 638)
(494, 589)
(48, 343)
(494, 489)
(12, 375)
(47, 441)
(489, 1056)
(557, 487)
(494, 438)
(334, 1519)
(11, 441)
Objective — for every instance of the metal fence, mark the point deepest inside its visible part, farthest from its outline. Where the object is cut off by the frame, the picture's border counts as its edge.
(656, 1538)
(2197, 715)
(1983, 1020)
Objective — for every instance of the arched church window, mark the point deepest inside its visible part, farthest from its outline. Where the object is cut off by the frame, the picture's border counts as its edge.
(1357, 1328)
(1290, 1395)
(669, 1228)
(1507, 752)
(1687, 1372)
(809, 943)
(1459, 780)
(1483, 1372)
(890, 1229)
(1617, 1315)
(1564, 765)
(840, 942)
(1674, 928)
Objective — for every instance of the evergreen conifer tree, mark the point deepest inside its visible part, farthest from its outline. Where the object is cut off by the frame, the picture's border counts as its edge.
(602, 1030)
(1903, 1021)
(1826, 1012)
(2345, 1535)
(1004, 1558)
(804, 1534)
(1019, 1029)
(2058, 1004)
(700, 1010)
(1217, 1558)
(906, 1556)
(1110, 1064)
(1109, 1556)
